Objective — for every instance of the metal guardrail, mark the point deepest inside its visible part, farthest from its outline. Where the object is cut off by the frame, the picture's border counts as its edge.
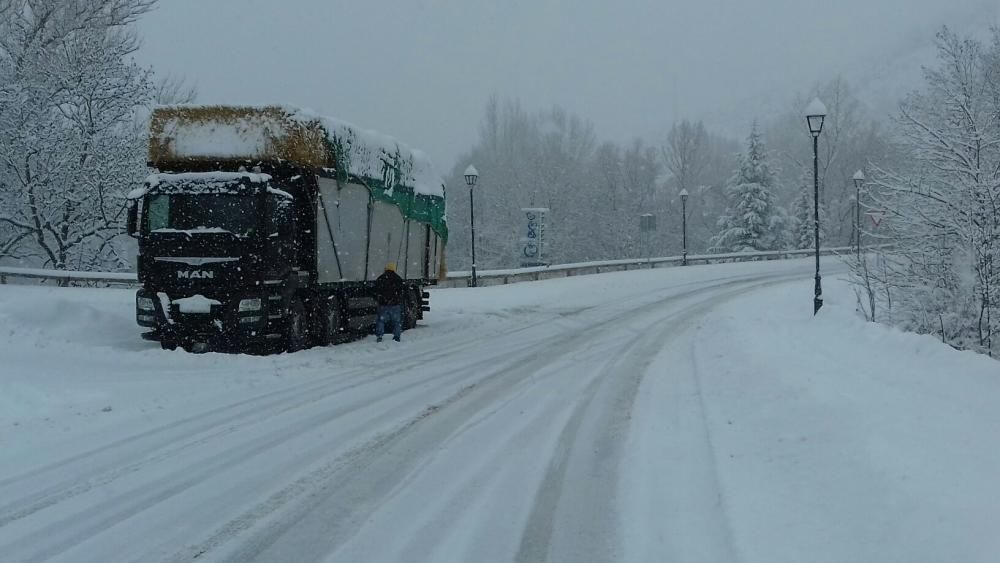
(69, 276)
(503, 277)
(460, 278)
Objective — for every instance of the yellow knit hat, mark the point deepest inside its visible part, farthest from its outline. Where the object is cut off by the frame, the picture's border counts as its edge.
(390, 267)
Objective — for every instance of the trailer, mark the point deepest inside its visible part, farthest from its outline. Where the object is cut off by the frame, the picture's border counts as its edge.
(263, 228)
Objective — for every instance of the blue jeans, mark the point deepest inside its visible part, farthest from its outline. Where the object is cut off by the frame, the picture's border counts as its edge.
(395, 314)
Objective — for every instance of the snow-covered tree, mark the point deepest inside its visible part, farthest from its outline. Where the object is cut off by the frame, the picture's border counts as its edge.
(69, 148)
(687, 153)
(594, 192)
(803, 229)
(852, 137)
(752, 221)
(699, 162)
(943, 202)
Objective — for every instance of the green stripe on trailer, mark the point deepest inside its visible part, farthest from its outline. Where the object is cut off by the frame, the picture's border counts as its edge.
(414, 206)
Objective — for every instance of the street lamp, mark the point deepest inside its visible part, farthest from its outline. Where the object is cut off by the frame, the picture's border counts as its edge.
(471, 177)
(684, 227)
(859, 179)
(815, 114)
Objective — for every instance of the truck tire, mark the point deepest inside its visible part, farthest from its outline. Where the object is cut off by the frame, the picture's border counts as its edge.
(411, 308)
(296, 331)
(330, 322)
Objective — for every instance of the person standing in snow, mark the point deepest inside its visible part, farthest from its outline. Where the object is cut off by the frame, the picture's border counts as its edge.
(390, 290)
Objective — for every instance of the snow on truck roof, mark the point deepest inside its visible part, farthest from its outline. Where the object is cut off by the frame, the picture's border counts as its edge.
(204, 181)
(192, 132)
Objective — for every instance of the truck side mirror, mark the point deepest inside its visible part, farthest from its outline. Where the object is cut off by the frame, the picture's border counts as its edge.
(133, 218)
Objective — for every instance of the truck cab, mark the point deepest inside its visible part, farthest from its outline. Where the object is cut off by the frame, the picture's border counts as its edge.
(215, 249)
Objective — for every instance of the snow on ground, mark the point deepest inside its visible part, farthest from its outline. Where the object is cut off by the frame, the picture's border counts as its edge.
(851, 441)
(71, 359)
(69, 353)
(682, 414)
(823, 439)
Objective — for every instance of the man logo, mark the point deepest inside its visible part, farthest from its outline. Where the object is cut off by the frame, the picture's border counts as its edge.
(195, 275)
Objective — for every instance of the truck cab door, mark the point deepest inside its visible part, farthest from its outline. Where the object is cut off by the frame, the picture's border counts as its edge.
(281, 236)
(132, 222)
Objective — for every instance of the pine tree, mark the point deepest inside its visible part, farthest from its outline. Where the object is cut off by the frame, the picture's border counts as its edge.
(752, 221)
(779, 234)
(803, 231)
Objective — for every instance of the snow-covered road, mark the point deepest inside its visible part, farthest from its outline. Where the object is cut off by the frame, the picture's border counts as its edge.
(569, 420)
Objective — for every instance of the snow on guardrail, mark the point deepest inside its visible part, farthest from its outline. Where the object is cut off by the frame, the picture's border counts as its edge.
(67, 275)
(514, 275)
(459, 278)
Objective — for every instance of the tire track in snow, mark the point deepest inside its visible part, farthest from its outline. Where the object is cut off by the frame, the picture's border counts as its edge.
(296, 390)
(730, 549)
(349, 486)
(573, 520)
(211, 425)
(125, 506)
(59, 536)
(174, 439)
(356, 486)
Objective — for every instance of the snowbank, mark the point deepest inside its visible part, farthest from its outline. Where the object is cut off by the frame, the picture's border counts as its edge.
(68, 354)
(839, 440)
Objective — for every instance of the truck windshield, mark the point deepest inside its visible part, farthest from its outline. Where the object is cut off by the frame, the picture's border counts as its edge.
(193, 213)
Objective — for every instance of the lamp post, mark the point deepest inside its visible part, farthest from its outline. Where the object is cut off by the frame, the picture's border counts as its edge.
(859, 179)
(471, 177)
(684, 227)
(815, 114)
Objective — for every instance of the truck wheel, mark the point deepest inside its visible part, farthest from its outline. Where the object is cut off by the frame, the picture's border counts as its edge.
(168, 344)
(296, 334)
(411, 309)
(330, 322)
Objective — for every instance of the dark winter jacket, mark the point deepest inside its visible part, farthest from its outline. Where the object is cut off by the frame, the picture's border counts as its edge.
(389, 289)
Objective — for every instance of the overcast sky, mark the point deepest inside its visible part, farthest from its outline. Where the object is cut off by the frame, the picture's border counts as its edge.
(421, 70)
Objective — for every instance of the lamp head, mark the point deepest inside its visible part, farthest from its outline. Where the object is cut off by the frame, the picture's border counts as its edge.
(815, 114)
(471, 176)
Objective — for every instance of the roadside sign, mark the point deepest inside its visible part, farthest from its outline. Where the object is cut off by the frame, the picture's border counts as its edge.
(647, 223)
(532, 250)
(876, 216)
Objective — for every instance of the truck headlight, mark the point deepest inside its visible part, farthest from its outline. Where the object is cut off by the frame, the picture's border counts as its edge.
(144, 303)
(250, 304)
